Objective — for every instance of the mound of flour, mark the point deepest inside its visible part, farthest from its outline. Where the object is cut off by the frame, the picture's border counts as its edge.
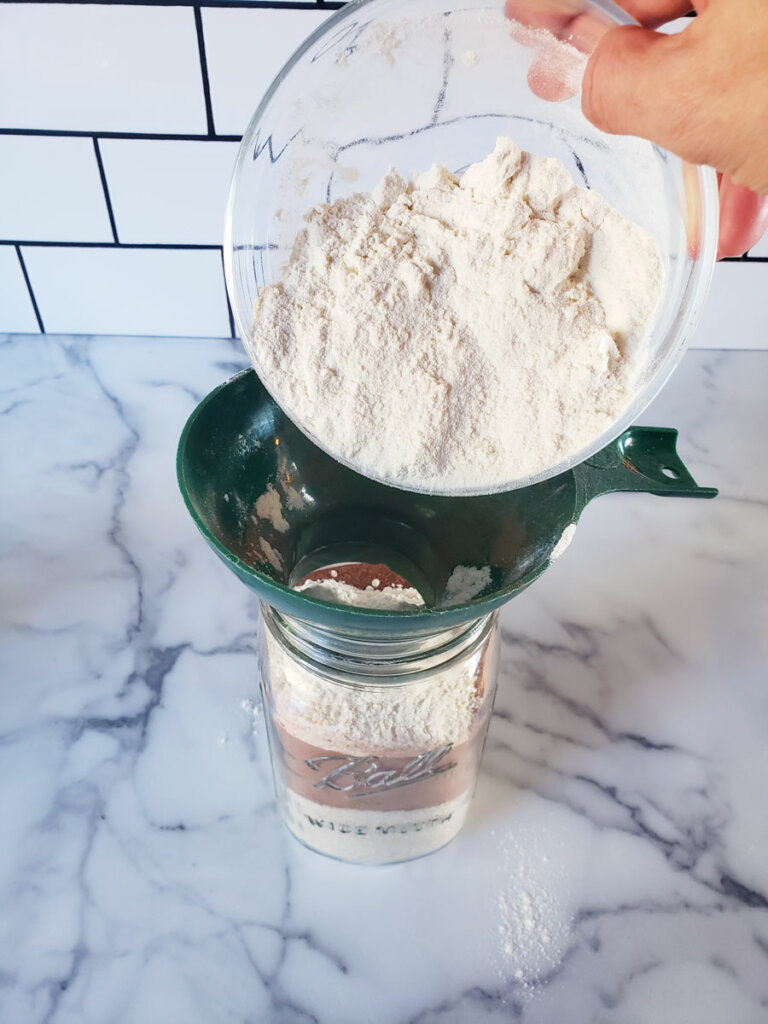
(460, 333)
(393, 599)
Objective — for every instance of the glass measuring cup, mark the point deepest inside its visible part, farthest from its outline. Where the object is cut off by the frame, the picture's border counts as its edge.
(389, 83)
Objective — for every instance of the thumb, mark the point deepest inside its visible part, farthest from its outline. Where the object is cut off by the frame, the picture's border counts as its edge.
(636, 83)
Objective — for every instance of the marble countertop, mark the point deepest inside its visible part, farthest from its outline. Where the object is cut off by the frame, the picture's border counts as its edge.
(615, 864)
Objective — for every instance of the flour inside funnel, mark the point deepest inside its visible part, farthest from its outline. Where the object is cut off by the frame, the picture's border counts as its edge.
(362, 585)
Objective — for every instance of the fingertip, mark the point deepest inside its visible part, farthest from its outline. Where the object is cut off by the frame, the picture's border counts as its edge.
(548, 83)
(585, 32)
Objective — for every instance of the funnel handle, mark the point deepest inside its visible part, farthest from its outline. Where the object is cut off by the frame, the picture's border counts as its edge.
(641, 459)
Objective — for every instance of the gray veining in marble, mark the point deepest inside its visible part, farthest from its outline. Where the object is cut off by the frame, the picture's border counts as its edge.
(615, 866)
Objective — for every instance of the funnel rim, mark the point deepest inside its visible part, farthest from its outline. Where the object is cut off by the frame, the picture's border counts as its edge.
(438, 617)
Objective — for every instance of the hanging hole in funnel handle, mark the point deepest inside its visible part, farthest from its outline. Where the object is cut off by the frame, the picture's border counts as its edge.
(640, 459)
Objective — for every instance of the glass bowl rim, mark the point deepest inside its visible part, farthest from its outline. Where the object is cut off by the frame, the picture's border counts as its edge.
(696, 291)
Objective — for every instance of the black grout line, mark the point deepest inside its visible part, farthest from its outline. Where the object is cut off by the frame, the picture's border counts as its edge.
(32, 298)
(204, 71)
(105, 187)
(211, 247)
(274, 5)
(156, 136)
(112, 245)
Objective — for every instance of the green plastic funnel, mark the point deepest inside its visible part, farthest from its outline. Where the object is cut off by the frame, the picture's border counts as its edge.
(274, 507)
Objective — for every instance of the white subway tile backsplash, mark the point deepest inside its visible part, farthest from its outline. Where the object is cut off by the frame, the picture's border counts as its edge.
(736, 313)
(109, 67)
(129, 291)
(245, 50)
(100, 67)
(168, 191)
(50, 190)
(16, 313)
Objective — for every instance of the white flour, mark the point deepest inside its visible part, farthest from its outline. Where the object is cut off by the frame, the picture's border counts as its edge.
(464, 584)
(460, 334)
(384, 598)
(414, 717)
(565, 539)
(533, 908)
(391, 735)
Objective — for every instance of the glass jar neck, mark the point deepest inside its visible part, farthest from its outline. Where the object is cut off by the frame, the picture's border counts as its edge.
(397, 658)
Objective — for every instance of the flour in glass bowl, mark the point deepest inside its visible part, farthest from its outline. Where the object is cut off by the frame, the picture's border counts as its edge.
(460, 333)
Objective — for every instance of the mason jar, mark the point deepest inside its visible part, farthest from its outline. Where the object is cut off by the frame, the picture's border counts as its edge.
(376, 742)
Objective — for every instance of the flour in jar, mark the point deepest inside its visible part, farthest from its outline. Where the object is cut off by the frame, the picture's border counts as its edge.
(376, 767)
(460, 333)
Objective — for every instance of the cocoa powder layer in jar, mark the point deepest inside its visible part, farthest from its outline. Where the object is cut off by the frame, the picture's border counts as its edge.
(359, 575)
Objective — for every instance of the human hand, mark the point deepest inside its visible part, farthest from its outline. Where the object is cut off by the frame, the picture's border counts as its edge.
(701, 93)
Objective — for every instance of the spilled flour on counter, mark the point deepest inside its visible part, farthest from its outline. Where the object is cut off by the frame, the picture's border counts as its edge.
(534, 917)
(460, 333)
